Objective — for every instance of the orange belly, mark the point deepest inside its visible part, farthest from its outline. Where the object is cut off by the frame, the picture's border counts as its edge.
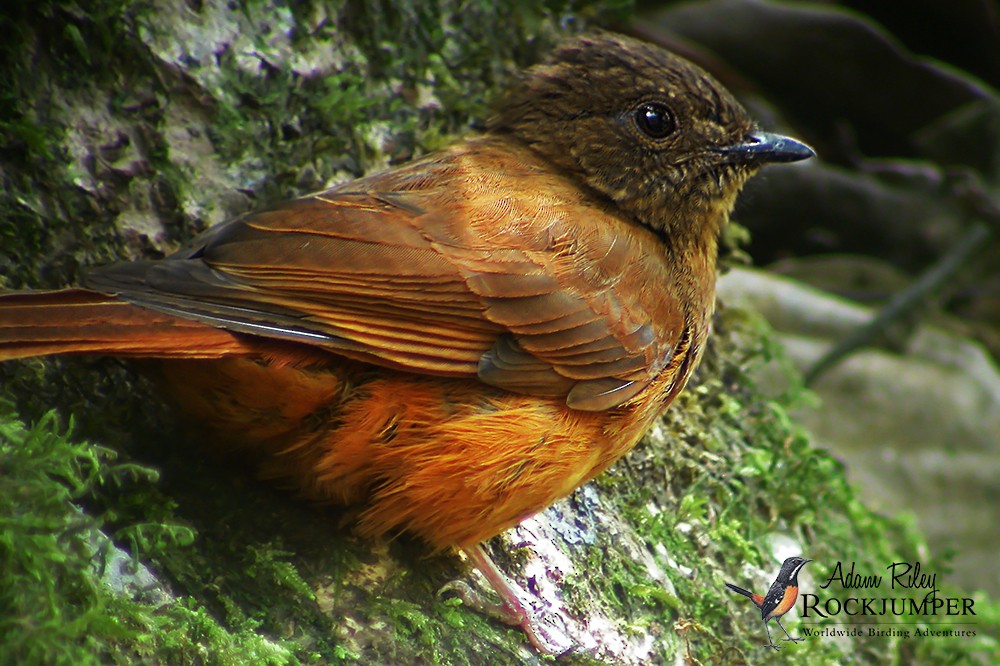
(449, 460)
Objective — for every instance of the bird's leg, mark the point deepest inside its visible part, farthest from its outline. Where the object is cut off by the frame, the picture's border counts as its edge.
(516, 607)
(794, 640)
(770, 643)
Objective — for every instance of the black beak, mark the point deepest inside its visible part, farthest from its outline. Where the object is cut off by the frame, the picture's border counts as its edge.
(765, 148)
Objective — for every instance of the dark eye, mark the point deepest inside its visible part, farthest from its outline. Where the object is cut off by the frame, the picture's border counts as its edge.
(654, 120)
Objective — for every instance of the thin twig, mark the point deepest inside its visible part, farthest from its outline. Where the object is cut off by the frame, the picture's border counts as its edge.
(983, 207)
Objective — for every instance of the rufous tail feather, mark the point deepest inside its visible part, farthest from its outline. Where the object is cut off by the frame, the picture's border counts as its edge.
(79, 321)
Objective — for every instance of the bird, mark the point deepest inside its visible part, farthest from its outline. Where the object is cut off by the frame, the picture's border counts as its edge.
(780, 597)
(454, 343)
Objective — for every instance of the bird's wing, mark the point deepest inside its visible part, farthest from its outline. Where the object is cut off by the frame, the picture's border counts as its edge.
(771, 600)
(429, 270)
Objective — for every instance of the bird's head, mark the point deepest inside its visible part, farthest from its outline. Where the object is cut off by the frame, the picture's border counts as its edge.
(793, 565)
(644, 128)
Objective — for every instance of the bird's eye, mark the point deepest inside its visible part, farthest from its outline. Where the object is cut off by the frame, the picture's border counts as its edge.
(654, 120)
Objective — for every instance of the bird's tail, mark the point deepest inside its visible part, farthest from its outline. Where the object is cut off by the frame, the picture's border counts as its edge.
(740, 590)
(79, 321)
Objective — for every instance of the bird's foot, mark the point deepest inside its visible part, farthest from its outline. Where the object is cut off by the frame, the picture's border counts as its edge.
(515, 608)
(794, 640)
(773, 646)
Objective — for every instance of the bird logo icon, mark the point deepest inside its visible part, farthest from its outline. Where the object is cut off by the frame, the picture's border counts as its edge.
(780, 597)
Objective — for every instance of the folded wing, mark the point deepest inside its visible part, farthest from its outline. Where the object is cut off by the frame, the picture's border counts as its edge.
(427, 270)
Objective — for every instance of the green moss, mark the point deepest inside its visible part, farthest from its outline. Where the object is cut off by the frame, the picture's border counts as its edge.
(56, 604)
(744, 473)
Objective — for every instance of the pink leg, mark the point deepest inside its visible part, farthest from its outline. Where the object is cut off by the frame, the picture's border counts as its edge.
(516, 608)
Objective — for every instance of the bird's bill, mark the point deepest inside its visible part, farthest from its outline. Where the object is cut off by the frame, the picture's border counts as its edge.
(765, 148)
